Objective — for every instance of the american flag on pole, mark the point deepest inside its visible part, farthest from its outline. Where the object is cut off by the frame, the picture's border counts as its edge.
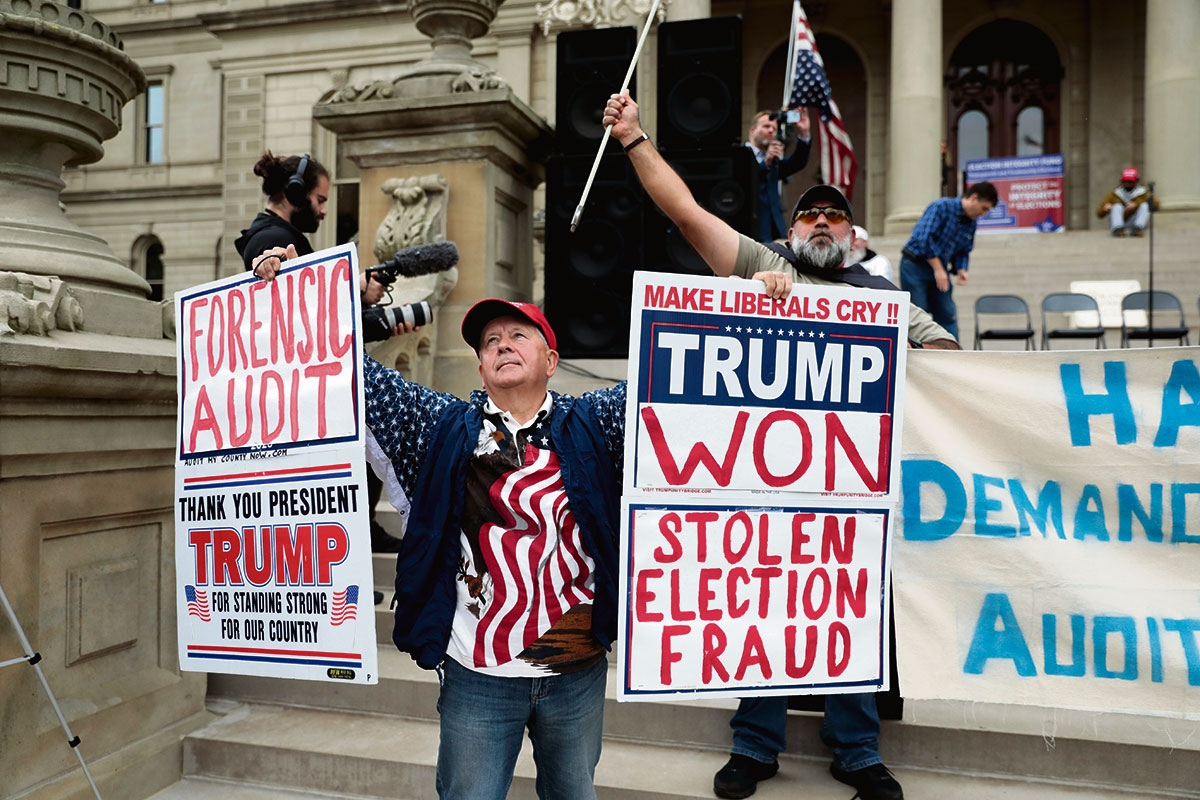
(197, 603)
(810, 87)
(345, 605)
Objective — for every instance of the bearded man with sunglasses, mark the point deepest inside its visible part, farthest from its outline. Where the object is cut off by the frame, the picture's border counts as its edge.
(820, 237)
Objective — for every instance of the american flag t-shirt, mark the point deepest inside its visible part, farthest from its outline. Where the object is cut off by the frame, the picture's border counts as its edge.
(810, 87)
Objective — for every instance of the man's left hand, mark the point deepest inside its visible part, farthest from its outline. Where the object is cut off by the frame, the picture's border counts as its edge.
(803, 125)
(962, 277)
(370, 290)
(779, 284)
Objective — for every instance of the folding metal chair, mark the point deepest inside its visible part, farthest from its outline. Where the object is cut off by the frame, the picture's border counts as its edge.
(1009, 306)
(1068, 303)
(1165, 304)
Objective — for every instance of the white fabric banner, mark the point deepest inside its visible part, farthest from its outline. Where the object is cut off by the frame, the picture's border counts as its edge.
(1048, 547)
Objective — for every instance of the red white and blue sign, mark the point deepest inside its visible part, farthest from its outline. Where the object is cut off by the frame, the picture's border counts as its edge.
(272, 544)
(761, 470)
(1030, 190)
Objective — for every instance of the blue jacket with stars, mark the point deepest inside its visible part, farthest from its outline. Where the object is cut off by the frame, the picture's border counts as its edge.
(430, 437)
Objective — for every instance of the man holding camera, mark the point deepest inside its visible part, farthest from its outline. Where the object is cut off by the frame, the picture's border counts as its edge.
(297, 190)
(767, 142)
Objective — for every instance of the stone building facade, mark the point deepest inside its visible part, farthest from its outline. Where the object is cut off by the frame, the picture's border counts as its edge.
(1119, 83)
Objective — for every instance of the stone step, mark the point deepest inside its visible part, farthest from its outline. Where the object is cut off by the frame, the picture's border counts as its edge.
(254, 751)
(1070, 747)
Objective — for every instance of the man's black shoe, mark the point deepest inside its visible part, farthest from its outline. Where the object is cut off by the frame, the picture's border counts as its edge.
(740, 776)
(875, 782)
(378, 597)
(382, 541)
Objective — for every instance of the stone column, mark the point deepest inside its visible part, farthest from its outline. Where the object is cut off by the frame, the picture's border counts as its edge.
(915, 113)
(87, 427)
(452, 117)
(1173, 108)
(63, 83)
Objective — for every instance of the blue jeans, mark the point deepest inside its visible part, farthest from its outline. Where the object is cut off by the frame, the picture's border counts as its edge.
(850, 729)
(484, 718)
(917, 280)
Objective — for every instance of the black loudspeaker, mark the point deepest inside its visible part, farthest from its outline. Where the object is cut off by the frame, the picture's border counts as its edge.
(725, 183)
(589, 273)
(295, 190)
(700, 84)
(591, 65)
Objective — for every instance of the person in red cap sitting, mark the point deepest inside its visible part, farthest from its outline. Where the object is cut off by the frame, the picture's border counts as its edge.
(1128, 206)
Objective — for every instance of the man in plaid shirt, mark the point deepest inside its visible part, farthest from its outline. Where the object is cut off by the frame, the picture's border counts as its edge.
(939, 246)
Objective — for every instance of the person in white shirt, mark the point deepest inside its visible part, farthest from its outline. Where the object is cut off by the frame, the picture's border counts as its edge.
(868, 259)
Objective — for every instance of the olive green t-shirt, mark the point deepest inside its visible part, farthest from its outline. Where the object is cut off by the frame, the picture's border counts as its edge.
(753, 257)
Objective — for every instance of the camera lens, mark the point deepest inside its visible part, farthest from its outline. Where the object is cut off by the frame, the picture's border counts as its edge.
(417, 314)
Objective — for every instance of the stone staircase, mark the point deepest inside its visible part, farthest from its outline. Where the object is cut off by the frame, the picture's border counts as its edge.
(1034, 265)
(274, 738)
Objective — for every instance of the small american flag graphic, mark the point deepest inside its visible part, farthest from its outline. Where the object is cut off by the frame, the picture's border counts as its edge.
(345, 605)
(809, 86)
(197, 603)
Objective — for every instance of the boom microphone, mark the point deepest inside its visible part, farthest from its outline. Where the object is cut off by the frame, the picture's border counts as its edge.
(415, 261)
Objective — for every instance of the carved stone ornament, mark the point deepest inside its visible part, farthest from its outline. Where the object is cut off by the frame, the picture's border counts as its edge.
(476, 80)
(417, 216)
(36, 305)
(375, 90)
(594, 13)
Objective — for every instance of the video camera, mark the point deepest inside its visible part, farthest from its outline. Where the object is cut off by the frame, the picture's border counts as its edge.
(378, 321)
(411, 262)
(784, 119)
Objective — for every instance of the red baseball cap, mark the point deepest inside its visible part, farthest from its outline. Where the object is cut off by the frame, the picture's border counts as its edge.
(1129, 174)
(483, 312)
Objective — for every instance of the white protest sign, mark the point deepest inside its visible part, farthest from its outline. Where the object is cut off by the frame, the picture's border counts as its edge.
(732, 390)
(761, 462)
(273, 558)
(1050, 531)
(731, 600)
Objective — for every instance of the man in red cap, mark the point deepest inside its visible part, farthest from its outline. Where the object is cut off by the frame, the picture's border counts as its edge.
(506, 580)
(1128, 206)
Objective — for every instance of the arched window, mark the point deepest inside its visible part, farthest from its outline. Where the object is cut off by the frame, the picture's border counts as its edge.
(1031, 131)
(148, 262)
(973, 136)
(1010, 73)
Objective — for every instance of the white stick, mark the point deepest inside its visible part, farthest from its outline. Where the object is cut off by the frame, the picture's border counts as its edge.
(608, 128)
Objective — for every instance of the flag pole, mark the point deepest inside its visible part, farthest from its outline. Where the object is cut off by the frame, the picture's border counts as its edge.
(790, 78)
(608, 128)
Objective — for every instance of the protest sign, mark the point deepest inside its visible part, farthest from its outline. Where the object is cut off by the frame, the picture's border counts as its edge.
(761, 463)
(1050, 530)
(1030, 190)
(731, 390)
(272, 553)
(729, 600)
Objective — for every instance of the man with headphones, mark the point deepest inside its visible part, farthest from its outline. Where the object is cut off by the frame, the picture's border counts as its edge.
(297, 189)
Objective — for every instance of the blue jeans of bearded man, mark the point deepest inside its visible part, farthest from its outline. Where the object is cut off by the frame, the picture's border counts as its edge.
(484, 718)
(850, 729)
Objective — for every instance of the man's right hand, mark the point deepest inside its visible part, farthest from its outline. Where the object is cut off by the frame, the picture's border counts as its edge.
(621, 113)
(267, 265)
(774, 151)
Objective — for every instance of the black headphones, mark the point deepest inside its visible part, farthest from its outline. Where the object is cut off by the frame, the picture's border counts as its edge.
(295, 190)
